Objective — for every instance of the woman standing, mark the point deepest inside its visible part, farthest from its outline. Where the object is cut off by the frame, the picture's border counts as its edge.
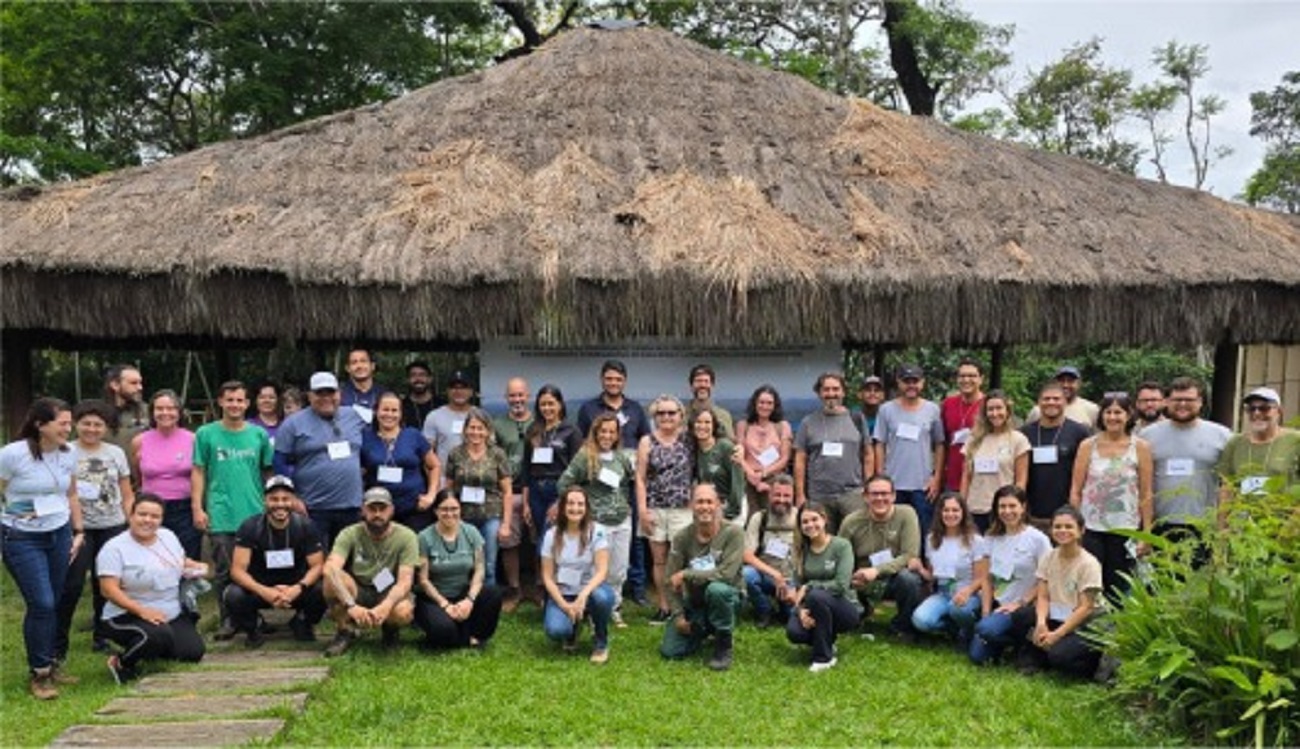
(1015, 549)
(997, 454)
(163, 458)
(455, 608)
(41, 527)
(140, 572)
(1112, 489)
(267, 411)
(824, 604)
(478, 473)
(605, 475)
(717, 463)
(549, 447)
(663, 489)
(103, 482)
(767, 439)
(575, 560)
(957, 562)
(399, 459)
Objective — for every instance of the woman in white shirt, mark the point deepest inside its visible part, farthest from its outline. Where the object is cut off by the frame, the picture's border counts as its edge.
(1015, 549)
(958, 565)
(575, 561)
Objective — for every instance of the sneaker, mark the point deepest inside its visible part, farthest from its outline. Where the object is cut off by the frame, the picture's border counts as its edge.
(225, 632)
(42, 684)
(662, 616)
(121, 674)
(100, 645)
(302, 630)
(343, 640)
(640, 599)
(1106, 670)
(819, 666)
(617, 619)
(255, 639)
(391, 637)
(599, 655)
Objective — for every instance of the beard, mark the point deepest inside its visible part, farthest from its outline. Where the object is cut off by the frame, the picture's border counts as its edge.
(378, 526)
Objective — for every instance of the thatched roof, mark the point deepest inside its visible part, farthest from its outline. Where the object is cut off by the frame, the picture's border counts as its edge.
(633, 183)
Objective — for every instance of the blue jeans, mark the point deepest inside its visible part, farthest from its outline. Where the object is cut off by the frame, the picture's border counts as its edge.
(600, 606)
(541, 495)
(488, 528)
(939, 614)
(915, 498)
(38, 563)
(761, 589)
(992, 636)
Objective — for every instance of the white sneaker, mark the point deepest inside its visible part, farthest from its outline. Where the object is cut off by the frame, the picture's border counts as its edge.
(817, 668)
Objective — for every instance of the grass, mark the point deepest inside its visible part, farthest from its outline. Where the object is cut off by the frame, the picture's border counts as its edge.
(524, 691)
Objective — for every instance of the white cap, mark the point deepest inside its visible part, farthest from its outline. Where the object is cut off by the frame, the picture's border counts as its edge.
(324, 381)
(1266, 394)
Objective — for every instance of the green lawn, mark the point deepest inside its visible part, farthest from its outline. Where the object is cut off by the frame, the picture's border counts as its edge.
(523, 690)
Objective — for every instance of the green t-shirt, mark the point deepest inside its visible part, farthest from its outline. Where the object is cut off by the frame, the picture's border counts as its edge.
(718, 560)
(510, 438)
(830, 570)
(232, 463)
(716, 467)
(365, 556)
(451, 565)
(1244, 463)
(900, 535)
(608, 490)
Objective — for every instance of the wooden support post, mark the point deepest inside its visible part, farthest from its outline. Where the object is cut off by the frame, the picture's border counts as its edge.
(1224, 396)
(996, 353)
(15, 383)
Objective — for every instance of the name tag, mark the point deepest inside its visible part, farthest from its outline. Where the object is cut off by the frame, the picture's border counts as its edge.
(832, 449)
(1249, 485)
(46, 504)
(610, 478)
(1180, 467)
(570, 577)
(458, 427)
(543, 455)
(621, 418)
(1003, 566)
(777, 548)
(1045, 455)
(703, 563)
(1059, 611)
(961, 436)
(986, 465)
(945, 570)
(473, 495)
(339, 450)
(87, 490)
(390, 474)
(881, 558)
(367, 414)
(769, 456)
(384, 580)
(909, 432)
(607, 456)
(279, 559)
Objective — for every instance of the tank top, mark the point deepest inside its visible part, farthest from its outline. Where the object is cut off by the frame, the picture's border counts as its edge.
(165, 463)
(758, 439)
(1109, 498)
(668, 474)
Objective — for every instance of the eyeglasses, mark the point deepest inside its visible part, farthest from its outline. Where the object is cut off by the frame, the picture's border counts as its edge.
(1180, 401)
(880, 494)
(668, 413)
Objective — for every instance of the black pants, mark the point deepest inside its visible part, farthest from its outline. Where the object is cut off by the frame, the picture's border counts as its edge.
(76, 581)
(140, 640)
(441, 631)
(1071, 655)
(832, 615)
(329, 523)
(906, 589)
(243, 606)
(178, 517)
(1112, 551)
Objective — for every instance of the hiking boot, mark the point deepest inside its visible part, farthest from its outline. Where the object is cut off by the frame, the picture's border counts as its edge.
(302, 629)
(343, 640)
(391, 637)
(721, 660)
(662, 616)
(61, 677)
(225, 632)
(42, 684)
(255, 639)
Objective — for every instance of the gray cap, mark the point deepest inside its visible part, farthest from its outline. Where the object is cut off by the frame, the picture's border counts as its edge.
(1263, 394)
(324, 381)
(1068, 371)
(376, 495)
(278, 482)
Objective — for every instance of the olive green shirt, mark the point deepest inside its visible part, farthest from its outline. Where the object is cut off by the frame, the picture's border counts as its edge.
(718, 560)
(900, 533)
(608, 491)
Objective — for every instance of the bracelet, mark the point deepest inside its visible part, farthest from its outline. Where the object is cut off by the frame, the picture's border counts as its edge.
(78, 531)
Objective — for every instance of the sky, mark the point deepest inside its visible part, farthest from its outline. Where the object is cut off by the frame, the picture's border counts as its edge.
(1251, 44)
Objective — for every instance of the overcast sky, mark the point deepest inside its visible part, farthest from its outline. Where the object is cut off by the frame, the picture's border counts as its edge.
(1251, 44)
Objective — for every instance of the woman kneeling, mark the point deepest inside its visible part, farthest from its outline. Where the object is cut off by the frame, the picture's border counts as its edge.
(455, 609)
(575, 559)
(824, 605)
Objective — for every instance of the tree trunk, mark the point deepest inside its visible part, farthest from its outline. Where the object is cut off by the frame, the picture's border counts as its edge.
(903, 59)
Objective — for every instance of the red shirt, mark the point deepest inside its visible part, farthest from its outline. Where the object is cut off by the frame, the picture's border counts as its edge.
(957, 415)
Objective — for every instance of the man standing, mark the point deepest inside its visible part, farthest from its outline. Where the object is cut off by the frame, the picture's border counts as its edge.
(768, 558)
(701, 380)
(1263, 450)
(1077, 408)
(369, 574)
(418, 402)
(704, 580)
(445, 426)
(361, 392)
(231, 458)
(909, 444)
(830, 454)
(124, 390)
(510, 430)
(960, 412)
(871, 394)
(276, 564)
(1054, 442)
(887, 552)
(323, 443)
(1150, 405)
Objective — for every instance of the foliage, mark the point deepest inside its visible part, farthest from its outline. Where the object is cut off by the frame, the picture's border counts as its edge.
(1217, 649)
(959, 55)
(1276, 119)
(1184, 66)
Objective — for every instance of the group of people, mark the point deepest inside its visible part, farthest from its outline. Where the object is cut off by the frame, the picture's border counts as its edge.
(383, 511)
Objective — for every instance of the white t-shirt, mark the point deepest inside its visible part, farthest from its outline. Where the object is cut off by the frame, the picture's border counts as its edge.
(953, 561)
(1013, 563)
(149, 575)
(575, 567)
(36, 491)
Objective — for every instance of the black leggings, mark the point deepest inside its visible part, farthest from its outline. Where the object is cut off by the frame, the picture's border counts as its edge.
(832, 616)
(441, 631)
(1071, 654)
(140, 640)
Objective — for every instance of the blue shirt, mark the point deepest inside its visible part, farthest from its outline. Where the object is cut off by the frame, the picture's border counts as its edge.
(323, 482)
(407, 453)
(633, 424)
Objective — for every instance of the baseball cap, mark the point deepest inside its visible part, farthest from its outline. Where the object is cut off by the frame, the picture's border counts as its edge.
(460, 378)
(377, 495)
(278, 482)
(910, 372)
(1068, 371)
(1263, 394)
(871, 380)
(323, 381)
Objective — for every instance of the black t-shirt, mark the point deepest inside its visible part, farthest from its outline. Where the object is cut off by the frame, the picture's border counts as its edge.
(258, 537)
(1049, 483)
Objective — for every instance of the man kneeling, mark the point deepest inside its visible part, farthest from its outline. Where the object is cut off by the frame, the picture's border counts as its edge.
(369, 573)
(704, 582)
(276, 564)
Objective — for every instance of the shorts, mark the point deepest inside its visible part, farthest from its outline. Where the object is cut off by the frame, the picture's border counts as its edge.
(516, 536)
(668, 523)
(368, 597)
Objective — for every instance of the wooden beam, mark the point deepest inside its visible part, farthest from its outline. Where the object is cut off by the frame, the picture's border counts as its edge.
(15, 383)
(1223, 403)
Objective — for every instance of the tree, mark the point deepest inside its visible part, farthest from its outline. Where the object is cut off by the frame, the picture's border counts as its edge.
(1185, 66)
(1276, 119)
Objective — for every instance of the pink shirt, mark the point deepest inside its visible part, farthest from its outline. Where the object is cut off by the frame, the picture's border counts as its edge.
(758, 439)
(165, 463)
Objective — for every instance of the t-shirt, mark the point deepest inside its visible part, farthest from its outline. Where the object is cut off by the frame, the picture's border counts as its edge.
(510, 438)
(715, 466)
(326, 454)
(1068, 580)
(1013, 562)
(445, 430)
(1080, 410)
(832, 444)
(1184, 460)
(166, 462)
(478, 481)
(993, 466)
(149, 575)
(953, 562)
(831, 569)
(720, 417)
(609, 490)
(717, 560)
(362, 403)
(232, 462)
(771, 538)
(397, 466)
(364, 557)
(576, 565)
(451, 565)
(546, 460)
(298, 537)
(909, 437)
(958, 423)
(99, 484)
(36, 488)
(899, 534)
(633, 424)
(1247, 463)
(1051, 467)
(414, 414)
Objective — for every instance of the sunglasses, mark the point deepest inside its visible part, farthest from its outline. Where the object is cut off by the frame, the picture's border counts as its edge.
(1262, 408)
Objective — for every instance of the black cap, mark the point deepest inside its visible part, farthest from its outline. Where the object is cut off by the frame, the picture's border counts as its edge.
(910, 372)
(460, 378)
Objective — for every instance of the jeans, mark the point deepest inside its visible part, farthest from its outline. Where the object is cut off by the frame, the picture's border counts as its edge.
(178, 517)
(938, 613)
(600, 606)
(541, 496)
(38, 563)
(831, 616)
(76, 581)
(636, 558)
(761, 589)
(915, 498)
(718, 614)
(620, 539)
(488, 528)
(992, 636)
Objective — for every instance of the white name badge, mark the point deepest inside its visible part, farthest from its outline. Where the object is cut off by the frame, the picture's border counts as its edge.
(458, 427)
(1059, 611)
(272, 439)
(769, 456)
(986, 465)
(87, 490)
(1249, 485)
(909, 432)
(543, 455)
(1180, 467)
(961, 436)
(881, 558)
(46, 504)
(776, 548)
(607, 456)
(390, 474)
(339, 450)
(621, 418)
(384, 580)
(610, 478)
(1003, 567)
(473, 495)
(367, 414)
(832, 449)
(1045, 455)
(703, 563)
(570, 577)
(279, 559)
